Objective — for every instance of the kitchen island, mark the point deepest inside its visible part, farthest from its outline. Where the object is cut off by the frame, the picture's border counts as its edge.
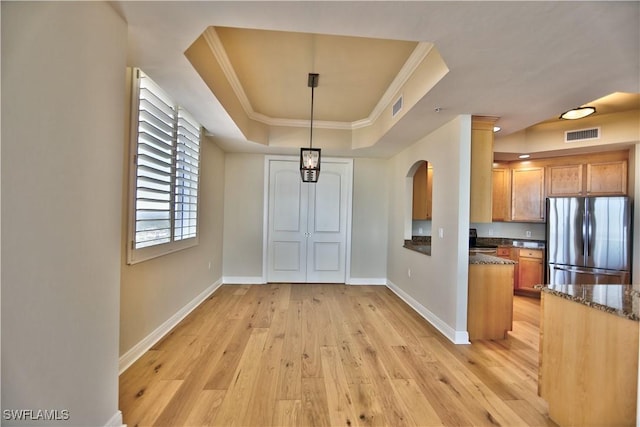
(490, 292)
(490, 297)
(589, 354)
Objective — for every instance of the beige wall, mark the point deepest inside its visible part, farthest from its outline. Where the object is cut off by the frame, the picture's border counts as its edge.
(153, 291)
(244, 218)
(616, 129)
(370, 225)
(62, 109)
(438, 282)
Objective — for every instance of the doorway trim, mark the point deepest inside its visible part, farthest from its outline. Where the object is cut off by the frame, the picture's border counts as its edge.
(265, 207)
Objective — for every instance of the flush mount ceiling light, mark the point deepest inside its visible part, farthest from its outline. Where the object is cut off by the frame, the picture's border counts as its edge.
(310, 157)
(578, 113)
(496, 129)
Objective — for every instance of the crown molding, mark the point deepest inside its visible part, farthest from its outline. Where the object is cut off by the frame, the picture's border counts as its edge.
(415, 59)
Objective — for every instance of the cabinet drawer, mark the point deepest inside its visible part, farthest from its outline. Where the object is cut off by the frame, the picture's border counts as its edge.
(503, 252)
(530, 253)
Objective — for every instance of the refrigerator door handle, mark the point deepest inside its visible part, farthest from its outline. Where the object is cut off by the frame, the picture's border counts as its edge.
(589, 233)
(584, 231)
(578, 270)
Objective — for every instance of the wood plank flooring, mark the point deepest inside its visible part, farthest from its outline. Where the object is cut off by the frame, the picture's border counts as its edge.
(330, 355)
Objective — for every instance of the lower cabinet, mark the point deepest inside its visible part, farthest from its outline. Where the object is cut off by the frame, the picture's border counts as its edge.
(588, 364)
(490, 301)
(530, 271)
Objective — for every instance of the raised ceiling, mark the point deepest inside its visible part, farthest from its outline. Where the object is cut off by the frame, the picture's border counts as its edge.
(365, 85)
(524, 62)
(272, 69)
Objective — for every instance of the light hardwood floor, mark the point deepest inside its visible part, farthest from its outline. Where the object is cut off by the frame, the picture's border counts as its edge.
(330, 355)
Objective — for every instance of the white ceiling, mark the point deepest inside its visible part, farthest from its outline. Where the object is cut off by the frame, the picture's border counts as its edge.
(524, 62)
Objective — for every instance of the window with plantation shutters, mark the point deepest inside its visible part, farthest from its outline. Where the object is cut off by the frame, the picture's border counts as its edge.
(165, 166)
(186, 191)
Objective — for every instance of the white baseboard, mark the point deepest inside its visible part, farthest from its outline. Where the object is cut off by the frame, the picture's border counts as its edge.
(139, 349)
(456, 337)
(367, 281)
(243, 280)
(115, 421)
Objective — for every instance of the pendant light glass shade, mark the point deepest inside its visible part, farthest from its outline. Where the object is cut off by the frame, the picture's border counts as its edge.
(578, 113)
(310, 157)
(309, 164)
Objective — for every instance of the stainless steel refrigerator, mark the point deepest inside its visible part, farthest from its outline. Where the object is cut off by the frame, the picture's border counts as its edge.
(588, 240)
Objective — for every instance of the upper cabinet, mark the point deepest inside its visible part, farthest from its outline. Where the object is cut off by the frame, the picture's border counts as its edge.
(565, 180)
(481, 168)
(520, 188)
(422, 192)
(527, 194)
(602, 174)
(607, 178)
(501, 193)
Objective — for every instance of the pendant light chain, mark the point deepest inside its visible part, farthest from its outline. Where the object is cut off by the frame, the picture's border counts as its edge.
(311, 127)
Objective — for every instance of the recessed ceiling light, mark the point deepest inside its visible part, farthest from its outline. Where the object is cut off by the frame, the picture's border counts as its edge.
(578, 113)
(524, 156)
(496, 129)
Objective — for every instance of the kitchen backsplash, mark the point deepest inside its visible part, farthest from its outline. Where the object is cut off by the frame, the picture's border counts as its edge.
(509, 230)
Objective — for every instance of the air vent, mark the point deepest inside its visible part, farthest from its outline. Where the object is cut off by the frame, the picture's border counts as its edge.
(582, 135)
(397, 106)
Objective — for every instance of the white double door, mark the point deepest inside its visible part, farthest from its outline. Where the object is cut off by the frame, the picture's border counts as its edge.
(308, 224)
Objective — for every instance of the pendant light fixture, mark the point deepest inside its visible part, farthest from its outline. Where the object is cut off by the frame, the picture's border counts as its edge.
(310, 157)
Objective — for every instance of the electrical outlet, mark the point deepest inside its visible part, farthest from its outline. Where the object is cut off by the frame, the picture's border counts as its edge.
(409, 272)
(420, 231)
(441, 232)
(527, 233)
(490, 232)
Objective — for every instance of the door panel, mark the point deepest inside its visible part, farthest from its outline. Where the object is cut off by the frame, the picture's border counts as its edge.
(608, 231)
(326, 257)
(287, 243)
(328, 203)
(328, 216)
(565, 224)
(286, 256)
(287, 201)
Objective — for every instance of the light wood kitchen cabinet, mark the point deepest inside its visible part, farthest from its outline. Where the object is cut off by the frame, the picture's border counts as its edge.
(607, 178)
(501, 194)
(490, 301)
(527, 194)
(590, 178)
(422, 192)
(530, 182)
(481, 168)
(588, 364)
(530, 271)
(565, 180)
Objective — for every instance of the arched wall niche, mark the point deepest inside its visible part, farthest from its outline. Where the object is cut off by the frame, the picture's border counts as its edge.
(419, 184)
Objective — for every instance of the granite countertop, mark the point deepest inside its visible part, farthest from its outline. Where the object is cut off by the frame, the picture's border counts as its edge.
(422, 247)
(621, 300)
(480, 258)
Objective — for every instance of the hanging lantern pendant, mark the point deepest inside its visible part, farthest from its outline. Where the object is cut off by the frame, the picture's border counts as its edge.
(309, 164)
(310, 157)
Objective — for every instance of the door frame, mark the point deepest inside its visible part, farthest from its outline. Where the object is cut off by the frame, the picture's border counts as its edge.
(265, 207)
